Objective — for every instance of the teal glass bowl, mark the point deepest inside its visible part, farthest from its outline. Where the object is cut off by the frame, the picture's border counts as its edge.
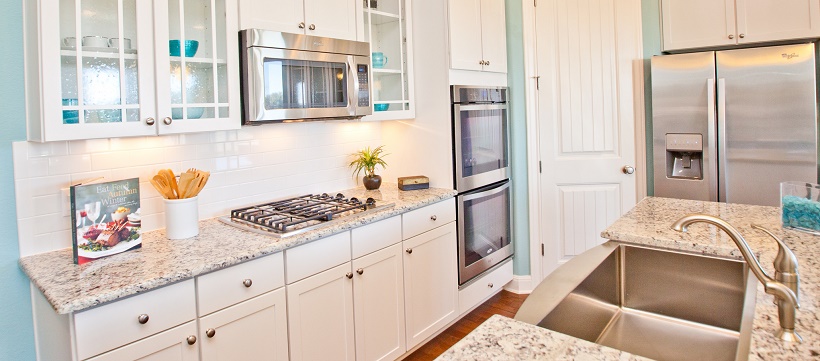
(191, 46)
(380, 107)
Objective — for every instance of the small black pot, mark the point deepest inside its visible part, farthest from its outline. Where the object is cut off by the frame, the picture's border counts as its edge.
(372, 183)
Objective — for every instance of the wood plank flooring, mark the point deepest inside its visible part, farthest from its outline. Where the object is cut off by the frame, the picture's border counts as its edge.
(504, 303)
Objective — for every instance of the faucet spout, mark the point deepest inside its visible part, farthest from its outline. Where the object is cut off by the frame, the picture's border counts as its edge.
(786, 265)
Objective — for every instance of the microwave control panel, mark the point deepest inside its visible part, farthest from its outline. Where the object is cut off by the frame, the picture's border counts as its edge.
(364, 90)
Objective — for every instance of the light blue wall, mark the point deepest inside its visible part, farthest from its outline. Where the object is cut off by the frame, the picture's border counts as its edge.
(17, 341)
(518, 136)
(651, 28)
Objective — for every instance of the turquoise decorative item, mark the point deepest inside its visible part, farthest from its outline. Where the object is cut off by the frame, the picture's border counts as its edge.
(380, 107)
(71, 116)
(800, 206)
(193, 113)
(191, 46)
(379, 59)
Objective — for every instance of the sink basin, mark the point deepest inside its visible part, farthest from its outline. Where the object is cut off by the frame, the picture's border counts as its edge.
(660, 304)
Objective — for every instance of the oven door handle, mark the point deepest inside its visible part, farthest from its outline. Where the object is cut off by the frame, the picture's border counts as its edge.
(489, 192)
(470, 107)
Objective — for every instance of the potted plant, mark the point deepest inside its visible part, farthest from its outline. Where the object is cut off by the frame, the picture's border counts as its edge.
(367, 160)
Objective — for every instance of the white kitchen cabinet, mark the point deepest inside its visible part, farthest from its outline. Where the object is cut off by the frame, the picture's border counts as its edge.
(478, 35)
(256, 329)
(388, 27)
(327, 18)
(689, 24)
(320, 316)
(84, 82)
(176, 344)
(430, 282)
(378, 299)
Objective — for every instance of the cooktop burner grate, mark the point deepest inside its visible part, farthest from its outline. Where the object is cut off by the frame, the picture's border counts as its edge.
(288, 216)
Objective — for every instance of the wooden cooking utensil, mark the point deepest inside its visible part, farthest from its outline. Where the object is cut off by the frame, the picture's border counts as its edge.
(162, 186)
(185, 180)
(172, 181)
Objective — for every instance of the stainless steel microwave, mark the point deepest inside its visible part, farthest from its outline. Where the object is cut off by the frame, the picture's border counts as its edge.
(293, 77)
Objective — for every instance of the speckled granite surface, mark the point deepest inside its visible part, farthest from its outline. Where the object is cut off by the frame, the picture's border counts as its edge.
(70, 288)
(649, 224)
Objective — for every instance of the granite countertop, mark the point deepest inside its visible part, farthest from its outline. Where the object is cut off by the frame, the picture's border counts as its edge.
(71, 288)
(649, 224)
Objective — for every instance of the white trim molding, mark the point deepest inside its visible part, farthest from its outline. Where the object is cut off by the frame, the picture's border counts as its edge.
(521, 285)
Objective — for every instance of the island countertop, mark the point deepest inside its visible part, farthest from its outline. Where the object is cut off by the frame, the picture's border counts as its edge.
(160, 261)
(648, 224)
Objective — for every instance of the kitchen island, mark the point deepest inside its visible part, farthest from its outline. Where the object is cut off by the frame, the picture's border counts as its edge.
(648, 224)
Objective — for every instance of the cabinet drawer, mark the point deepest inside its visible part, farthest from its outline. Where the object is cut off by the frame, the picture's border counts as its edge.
(226, 287)
(116, 324)
(375, 236)
(424, 219)
(317, 256)
(485, 286)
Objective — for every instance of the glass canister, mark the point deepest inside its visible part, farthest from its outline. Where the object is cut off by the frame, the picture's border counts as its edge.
(800, 206)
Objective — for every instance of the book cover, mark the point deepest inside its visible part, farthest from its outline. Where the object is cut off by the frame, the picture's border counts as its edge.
(105, 219)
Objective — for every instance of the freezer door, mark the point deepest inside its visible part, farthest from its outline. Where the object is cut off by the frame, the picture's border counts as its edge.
(683, 107)
(767, 121)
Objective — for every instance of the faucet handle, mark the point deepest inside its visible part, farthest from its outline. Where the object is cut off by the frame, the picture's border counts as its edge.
(785, 263)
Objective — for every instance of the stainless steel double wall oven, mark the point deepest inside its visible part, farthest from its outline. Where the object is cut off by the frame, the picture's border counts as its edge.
(481, 163)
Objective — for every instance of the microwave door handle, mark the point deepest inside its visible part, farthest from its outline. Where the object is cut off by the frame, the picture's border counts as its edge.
(352, 88)
(488, 192)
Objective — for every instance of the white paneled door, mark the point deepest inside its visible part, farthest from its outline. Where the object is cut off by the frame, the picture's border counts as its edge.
(586, 54)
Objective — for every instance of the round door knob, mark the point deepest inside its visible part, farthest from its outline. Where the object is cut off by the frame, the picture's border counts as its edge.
(490, 285)
(210, 332)
(150, 121)
(731, 36)
(486, 62)
(312, 27)
(433, 217)
(628, 169)
(191, 339)
(143, 319)
(167, 120)
(302, 25)
(349, 275)
(359, 271)
(247, 282)
(409, 251)
(742, 36)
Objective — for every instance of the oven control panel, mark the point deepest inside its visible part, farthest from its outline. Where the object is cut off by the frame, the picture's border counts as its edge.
(364, 85)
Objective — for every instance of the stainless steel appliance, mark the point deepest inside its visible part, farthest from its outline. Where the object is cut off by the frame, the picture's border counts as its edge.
(481, 163)
(731, 125)
(292, 77)
(290, 216)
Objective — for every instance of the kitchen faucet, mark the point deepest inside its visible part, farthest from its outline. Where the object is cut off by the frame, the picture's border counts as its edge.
(785, 284)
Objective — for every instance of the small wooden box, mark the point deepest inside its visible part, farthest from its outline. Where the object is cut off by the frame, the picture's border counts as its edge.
(414, 182)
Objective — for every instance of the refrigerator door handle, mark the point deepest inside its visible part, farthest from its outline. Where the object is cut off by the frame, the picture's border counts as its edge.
(721, 139)
(711, 140)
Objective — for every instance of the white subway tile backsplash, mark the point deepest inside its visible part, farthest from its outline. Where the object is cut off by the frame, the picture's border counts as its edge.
(250, 165)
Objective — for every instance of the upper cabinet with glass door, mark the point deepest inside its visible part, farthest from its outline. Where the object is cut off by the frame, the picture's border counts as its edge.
(388, 29)
(101, 68)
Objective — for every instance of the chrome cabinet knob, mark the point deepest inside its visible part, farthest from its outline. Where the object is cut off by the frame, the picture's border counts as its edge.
(628, 169)
(742, 36)
(360, 271)
(481, 62)
(312, 27)
(167, 120)
(490, 285)
(349, 275)
(731, 36)
(150, 121)
(486, 62)
(247, 282)
(191, 339)
(302, 25)
(433, 218)
(409, 251)
(210, 332)
(143, 319)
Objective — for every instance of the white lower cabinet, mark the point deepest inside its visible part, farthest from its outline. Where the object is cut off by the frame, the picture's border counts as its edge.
(378, 305)
(176, 344)
(430, 282)
(320, 316)
(252, 330)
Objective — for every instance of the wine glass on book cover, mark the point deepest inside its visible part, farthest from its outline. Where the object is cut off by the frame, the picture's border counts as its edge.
(92, 211)
(81, 214)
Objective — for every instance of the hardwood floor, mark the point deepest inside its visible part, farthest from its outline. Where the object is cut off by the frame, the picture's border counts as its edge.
(505, 303)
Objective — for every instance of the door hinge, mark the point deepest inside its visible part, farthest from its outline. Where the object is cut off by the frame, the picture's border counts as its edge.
(542, 249)
(539, 166)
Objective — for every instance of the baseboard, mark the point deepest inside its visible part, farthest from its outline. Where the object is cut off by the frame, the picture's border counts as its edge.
(520, 285)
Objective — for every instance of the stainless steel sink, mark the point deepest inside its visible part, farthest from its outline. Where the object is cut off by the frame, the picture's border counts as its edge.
(654, 303)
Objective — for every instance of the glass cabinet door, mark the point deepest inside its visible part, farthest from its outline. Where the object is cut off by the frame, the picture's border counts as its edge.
(102, 77)
(199, 47)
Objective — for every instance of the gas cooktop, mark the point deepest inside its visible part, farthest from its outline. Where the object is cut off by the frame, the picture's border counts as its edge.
(287, 217)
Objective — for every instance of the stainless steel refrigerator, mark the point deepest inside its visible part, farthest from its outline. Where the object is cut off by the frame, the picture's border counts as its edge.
(731, 125)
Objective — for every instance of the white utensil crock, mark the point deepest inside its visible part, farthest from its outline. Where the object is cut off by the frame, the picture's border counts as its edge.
(181, 218)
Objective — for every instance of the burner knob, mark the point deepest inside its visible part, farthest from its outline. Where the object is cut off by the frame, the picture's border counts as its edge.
(355, 200)
(370, 201)
(340, 196)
